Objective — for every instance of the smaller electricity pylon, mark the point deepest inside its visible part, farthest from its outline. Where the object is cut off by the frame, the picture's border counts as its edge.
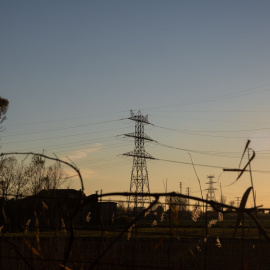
(211, 190)
(139, 182)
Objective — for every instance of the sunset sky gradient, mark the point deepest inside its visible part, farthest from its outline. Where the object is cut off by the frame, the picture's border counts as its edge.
(73, 70)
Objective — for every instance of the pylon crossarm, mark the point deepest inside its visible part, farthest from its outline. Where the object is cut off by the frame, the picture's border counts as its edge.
(140, 137)
(146, 156)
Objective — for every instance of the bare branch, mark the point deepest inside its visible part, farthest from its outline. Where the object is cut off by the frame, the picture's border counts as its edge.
(48, 157)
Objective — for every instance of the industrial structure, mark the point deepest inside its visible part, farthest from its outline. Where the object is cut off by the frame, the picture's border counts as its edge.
(211, 190)
(139, 182)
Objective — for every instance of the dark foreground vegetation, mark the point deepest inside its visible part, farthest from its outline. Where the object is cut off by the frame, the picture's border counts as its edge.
(149, 249)
(101, 236)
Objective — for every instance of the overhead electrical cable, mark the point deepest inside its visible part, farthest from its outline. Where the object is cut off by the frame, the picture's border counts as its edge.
(65, 136)
(103, 147)
(204, 165)
(216, 98)
(210, 120)
(208, 135)
(78, 143)
(214, 131)
(57, 129)
(46, 147)
(66, 119)
(226, 137)
(210, 153)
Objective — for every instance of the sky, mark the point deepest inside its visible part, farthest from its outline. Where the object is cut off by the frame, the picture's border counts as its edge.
(73, 70)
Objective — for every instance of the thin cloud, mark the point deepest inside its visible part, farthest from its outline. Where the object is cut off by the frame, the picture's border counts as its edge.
(80, 154)
(86, 173)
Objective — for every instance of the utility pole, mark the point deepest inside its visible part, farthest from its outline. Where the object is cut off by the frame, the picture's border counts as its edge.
(139, 182)
(188, 193)
(180, 187)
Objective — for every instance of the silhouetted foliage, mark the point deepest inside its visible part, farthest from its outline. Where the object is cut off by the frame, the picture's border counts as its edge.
(3, 109)
(21, 179)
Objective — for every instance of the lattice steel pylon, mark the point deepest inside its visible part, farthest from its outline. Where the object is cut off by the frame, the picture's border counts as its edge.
(211, 190)
(139, 182)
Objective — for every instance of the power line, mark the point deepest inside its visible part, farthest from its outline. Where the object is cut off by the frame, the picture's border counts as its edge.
(230, 95)
(204, 165)
(65, 136)
(57, 129)
(214, 131)
(66, 119)
(189, 163)
(216, 98)
(207, 135)
(210, 120)
(83, 149)
(57, 146)
(211, 153)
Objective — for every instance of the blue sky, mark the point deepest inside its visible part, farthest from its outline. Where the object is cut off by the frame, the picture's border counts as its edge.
(71, 70)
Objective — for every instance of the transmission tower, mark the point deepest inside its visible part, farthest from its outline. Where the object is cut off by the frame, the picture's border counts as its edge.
(139, 182)
(238, 201)
(211, 190)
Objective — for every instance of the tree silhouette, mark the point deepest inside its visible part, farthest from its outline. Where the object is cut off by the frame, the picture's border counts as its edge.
(3, 109)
